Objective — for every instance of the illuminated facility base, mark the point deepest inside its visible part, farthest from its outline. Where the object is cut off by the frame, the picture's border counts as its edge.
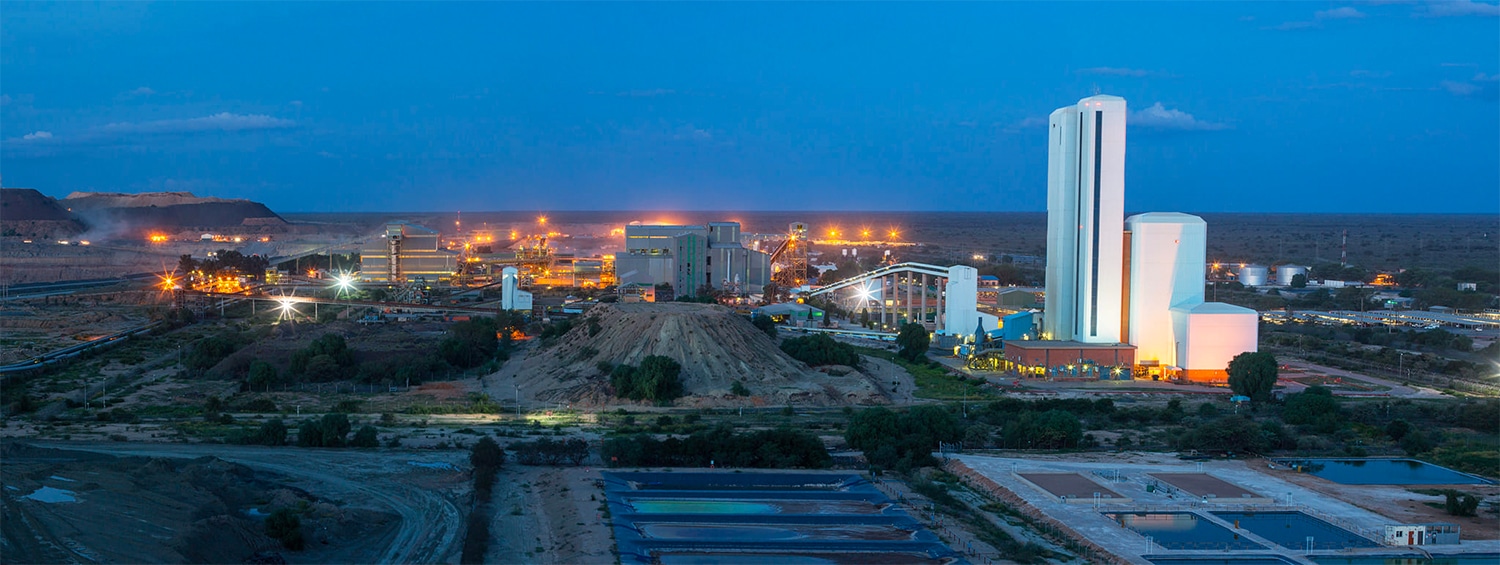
(1053, 359)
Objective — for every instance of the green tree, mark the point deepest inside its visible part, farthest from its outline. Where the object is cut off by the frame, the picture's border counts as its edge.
(262, 375)
(322, 368)
(1253, 374)
(486, 454)
(1299, 280)
(367, 436)
(738, 389)
(913, 341)
(658, 379)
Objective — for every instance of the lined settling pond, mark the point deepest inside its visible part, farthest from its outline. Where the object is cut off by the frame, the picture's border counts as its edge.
(1183, 530)
(1383, 472)
(1291, 530)
(763, 518)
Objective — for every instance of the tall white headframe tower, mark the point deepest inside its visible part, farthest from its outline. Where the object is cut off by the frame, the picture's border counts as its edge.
(1086, 221)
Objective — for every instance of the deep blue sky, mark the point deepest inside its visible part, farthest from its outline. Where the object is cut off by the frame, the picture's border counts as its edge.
(1307, 106)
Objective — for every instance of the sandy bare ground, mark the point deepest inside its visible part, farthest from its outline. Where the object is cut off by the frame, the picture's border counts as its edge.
(550, 515)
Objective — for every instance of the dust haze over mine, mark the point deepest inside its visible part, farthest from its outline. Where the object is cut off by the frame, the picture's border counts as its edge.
(1106, 302)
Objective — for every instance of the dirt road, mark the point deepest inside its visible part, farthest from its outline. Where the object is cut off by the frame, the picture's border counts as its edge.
(431, 525)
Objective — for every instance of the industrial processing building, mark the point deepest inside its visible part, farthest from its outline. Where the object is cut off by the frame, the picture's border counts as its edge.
(1085, 221)
(690, 258)
(407, 252)
(1122, 295)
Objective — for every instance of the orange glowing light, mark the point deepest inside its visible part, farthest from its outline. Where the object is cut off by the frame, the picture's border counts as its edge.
(158, 238)
(541, 220)
(865, 233)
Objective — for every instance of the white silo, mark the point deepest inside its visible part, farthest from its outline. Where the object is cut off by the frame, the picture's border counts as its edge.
(511, 295)
(1254, 275)
(1285, 273)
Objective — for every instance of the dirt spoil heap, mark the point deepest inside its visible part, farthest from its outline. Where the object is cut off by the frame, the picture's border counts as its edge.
(715, 347)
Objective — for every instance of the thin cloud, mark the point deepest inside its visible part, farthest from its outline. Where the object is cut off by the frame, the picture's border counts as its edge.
(1162, 118)
(1344, 13)
(650, 93)
(1123, 72)
(1291, 26)
(1369, 74)
(223, 121)
(121, 132)
(142, 91)
(1031, 122)
(1481, 87)
(1457, 8)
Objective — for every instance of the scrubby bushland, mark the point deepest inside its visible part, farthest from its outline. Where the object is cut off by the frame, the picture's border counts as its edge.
(657, 379)
(819, 349)
(901, 440)
(546, 451)
(779, 448)
(329, 431)
(486, 457)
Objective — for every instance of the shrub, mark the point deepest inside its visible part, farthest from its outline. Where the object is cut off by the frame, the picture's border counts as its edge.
(271, 432)
(1460, 504)
(765, 324)
(284, 525)
(738, 389)
(1315, 407)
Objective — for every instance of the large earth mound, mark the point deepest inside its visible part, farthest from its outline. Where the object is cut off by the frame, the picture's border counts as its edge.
(26, 212)
(715, 347)
(167, 210)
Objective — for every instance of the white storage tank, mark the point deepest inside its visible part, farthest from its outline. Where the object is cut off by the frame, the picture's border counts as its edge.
(1254, 275)
(1285, 273)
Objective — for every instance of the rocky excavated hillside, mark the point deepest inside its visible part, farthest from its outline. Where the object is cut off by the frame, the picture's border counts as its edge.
(168, 210)
(715, 347)
(26, 212)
